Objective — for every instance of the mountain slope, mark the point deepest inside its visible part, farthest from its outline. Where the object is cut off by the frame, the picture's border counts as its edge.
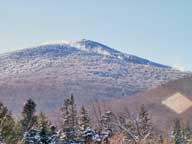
(153, 99)
(90, 70)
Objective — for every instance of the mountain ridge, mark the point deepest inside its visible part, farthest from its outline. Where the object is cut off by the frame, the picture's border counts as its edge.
(86, 46)
(50, 73)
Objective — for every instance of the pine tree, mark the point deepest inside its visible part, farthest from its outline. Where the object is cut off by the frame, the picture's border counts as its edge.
(7, 125)
(44, 127)
(73, 114)
(28, 115)
(43, 123)
(70, 120)
(84, 120)
(54, 138)
(32, 137)
(85, 132)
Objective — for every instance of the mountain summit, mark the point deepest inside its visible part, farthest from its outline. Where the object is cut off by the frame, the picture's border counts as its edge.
(82, 46)
(51, 72)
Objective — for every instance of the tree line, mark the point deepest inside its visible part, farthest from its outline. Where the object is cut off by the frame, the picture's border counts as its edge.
(77, 127)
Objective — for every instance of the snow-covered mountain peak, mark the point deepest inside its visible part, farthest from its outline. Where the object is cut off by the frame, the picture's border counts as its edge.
(83, 45)
(81, 48)
(91, 46)
(49, 72)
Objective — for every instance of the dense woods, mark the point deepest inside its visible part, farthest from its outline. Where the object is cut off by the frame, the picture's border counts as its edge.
(77, 127)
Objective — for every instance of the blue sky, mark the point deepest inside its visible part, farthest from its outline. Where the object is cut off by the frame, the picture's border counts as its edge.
(159, 30)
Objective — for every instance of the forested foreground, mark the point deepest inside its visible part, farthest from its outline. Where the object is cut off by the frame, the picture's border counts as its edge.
(78, 128)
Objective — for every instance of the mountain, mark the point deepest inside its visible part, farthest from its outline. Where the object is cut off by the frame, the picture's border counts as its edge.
(51, 72)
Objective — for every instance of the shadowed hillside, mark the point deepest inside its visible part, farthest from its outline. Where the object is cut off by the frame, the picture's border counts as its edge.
(152, 99)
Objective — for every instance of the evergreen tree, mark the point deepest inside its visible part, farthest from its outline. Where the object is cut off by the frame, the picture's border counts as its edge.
(28, 115)
(73, 114)
(7, 126)
(54, 138)
(32, 137)
(84, 120)
(43, 123)
(44, 127)
(36, 136)
(85, 133)
(70, 120)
